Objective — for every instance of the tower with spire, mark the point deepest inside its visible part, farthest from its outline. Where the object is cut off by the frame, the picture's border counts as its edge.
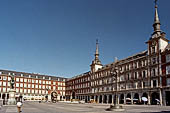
(96, 63)
(158, 42)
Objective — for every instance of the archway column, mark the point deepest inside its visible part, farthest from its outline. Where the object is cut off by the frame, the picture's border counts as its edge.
(118, 98)
(160, 97)
(149, 99)
(98, 99)
(95, 98)
(107, 101)
(102, 99)
(124, 99)
(140, 98)
(131, 98)
(112, 99)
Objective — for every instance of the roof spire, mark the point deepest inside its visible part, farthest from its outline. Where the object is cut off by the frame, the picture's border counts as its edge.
(96, 63)
(97, 48)
(96, 60)
(157, 23)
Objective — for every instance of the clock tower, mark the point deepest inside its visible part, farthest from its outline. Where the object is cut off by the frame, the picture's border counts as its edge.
(156, 45)
(96, 64)
(158, 42)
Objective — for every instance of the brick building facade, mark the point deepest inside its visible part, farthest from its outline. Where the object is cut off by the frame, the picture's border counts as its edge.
(145, 74)
(30, 86)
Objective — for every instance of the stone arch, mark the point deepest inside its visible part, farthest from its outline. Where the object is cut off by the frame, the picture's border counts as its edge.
(121, 99)
(128, 98)
(96, 98)
(145, 95)
(105, 99)
(114, 99)
(73, 95)
(155, 98)
(3, 97)
(110, 99)
(100, 99)
(136, 98)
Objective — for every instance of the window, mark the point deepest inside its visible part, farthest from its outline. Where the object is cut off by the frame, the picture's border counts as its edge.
(168, 58)
(153, 60)
(29, 85)
(17, 79)
(36, 81)
(43, 82)
(144, 74)
(168, 81)
(28, 90)
(54, 83)
(136, 75)
(144, 85)
(29, 80)
(122, 78)
(128, 77)
(17, 90)
(154, 83)
(21, 90)
(4, 89)
(21, 85)
(25, 85)
(17, 84)
(4, 83)
(21, 79)
(36, 86)
(4, 77)
(168, 69)
(25, 90)
(154, 72)
(153, 49)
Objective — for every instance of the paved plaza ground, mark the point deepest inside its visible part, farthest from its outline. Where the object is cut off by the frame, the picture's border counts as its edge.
(35, 107)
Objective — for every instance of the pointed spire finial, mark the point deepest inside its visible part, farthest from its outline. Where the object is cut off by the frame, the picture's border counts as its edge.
(97, 48)
(157, 23)
(156, 3)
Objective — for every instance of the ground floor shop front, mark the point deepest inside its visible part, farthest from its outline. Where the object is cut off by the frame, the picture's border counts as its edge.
(146, 96)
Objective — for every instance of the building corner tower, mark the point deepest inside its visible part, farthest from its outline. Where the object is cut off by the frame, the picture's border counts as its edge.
(96, 63)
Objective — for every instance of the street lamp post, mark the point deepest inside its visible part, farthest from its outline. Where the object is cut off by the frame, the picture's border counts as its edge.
(114, 73)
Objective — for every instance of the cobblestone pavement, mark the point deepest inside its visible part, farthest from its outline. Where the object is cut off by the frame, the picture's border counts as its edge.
(35, 107)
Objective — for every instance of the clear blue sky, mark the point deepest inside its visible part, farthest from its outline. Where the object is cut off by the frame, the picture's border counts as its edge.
(57, 37)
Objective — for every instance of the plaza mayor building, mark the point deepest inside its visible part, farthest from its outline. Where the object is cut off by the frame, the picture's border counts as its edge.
(143, 75)
(31, 86)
